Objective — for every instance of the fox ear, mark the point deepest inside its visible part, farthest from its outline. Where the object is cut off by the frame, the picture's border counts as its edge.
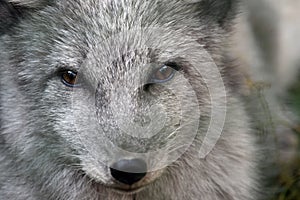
(11, 11)
(221, 11)
(29, 3)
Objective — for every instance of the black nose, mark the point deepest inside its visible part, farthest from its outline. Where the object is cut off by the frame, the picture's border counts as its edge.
(129, 171)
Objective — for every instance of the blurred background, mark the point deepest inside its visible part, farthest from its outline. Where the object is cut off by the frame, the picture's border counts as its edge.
(266, 42)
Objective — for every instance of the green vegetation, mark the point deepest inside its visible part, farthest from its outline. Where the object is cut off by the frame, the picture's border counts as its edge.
(288, 178)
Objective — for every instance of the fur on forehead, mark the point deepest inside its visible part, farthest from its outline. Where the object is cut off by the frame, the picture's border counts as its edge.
(214, 8)
(221, 4)
(12, 11)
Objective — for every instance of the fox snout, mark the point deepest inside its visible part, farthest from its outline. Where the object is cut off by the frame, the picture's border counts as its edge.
(129, 171)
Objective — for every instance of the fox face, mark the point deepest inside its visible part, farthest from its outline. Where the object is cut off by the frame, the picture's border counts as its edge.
(112, 96)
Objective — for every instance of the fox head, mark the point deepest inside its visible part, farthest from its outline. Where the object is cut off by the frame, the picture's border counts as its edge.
(113, 92)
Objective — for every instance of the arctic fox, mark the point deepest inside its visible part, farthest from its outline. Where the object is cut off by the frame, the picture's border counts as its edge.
(122, 99)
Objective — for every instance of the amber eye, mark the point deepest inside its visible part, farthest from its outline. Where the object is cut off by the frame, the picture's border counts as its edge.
(163, 74)
(69, 78)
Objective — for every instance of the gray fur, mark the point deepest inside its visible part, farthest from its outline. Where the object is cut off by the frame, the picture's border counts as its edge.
(44, 155)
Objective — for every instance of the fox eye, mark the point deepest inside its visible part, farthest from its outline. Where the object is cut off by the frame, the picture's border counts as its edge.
(69, 78)
(163, 74)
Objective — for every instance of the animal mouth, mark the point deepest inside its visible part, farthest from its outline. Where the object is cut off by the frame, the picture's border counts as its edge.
(120, 189)
(128, 191)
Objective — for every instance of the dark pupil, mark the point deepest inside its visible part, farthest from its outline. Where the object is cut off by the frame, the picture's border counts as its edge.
(70, 77)
(164, 73)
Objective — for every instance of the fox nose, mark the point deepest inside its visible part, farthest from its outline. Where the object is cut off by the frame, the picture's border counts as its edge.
(129, 171)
